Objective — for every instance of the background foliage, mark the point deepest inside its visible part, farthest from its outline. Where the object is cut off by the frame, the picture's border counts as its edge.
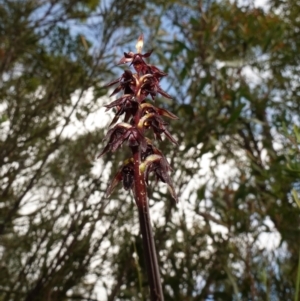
(234, 74)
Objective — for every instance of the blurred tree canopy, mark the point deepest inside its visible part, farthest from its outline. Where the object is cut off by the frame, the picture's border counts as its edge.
(234, 74)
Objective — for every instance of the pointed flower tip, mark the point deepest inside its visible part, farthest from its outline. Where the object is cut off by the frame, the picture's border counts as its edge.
(113, 184)
(173, 193)
(104, 151)
(140, 43)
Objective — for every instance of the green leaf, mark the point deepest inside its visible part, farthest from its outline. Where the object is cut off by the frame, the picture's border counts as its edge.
(297, 133)
(235, 115)
(295, 196)
(186, 110)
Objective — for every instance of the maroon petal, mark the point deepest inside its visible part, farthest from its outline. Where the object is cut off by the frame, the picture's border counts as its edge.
(116, 180)
(115, 119)
(104, 151)
(116, 90)
(155, 71)
(149, 108)
(163, 93)
(173, 192)
(129, 55)
(116, 137)
(124, 60)
(135, 138)
(160, 166)
(125, 174)
(119, 101)
(147, 54)
(112, 83)
(170, 137)
(166, 113)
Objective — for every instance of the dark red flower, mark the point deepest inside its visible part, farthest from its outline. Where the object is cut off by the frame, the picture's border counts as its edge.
(125, 174)
(150, 150)
(149, 84)
(119, 134)
(136, 60)
(154, 70)
(147, 108)
(125, 83)
(158, 165)
(158, 125)
(126, 104)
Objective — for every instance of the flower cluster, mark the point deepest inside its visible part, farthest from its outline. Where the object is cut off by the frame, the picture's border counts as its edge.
(139, 116)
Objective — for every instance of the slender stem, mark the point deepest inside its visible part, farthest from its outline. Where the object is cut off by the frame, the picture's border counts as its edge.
(140, 193)
(298, 280)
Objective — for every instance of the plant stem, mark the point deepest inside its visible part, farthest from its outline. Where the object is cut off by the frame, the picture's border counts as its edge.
(140, 194)
(297, 281)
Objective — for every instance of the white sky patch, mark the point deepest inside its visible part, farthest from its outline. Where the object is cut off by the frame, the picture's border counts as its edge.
(98, 118)
(263, 4)
(255, 76)
(269, 239)
(4, 122)
(252, 75)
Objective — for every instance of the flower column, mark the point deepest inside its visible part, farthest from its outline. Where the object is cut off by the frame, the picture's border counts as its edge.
(146, 158)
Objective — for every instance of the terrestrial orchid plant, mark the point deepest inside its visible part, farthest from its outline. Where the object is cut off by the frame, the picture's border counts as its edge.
(139, 116)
